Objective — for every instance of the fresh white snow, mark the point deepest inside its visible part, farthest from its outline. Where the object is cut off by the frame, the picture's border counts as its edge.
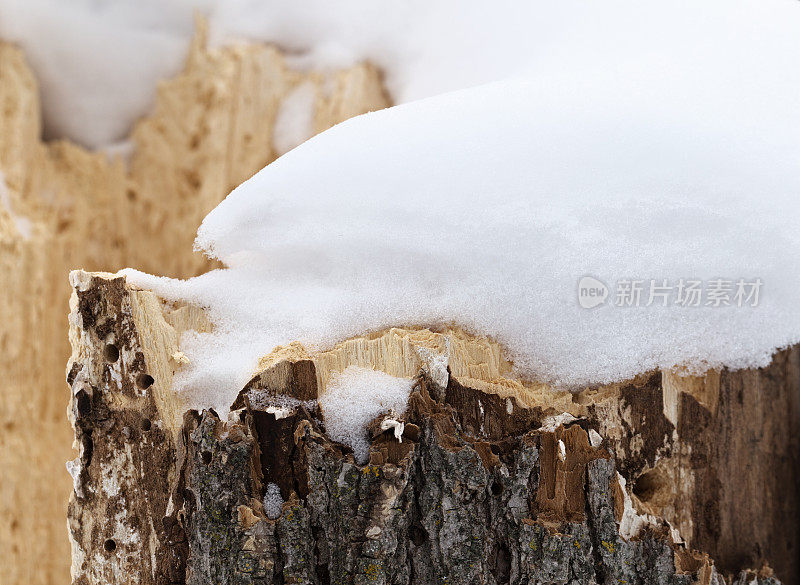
(355, 397)
(485, 207)
(622, 145)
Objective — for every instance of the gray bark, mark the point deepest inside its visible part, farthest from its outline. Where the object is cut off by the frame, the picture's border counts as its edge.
(472, 495)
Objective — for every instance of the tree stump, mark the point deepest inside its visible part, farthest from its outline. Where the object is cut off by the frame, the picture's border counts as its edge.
(660, 480)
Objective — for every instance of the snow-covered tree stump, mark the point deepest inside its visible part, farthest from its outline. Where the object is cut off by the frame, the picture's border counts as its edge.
(663, 480)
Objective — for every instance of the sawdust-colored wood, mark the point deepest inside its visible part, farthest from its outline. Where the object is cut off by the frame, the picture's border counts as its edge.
(62, 207)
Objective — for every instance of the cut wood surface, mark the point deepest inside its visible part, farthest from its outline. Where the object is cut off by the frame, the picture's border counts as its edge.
(62, 207)
(663, 479)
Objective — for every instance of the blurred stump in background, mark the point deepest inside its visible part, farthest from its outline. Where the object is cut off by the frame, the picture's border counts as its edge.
(62, 206)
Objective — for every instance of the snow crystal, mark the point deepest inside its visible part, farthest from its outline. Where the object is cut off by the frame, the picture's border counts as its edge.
(562, 451)
(273, 501)
(354, 398)
(435, 364)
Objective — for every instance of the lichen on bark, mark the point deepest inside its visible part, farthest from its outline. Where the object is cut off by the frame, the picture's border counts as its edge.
(476, 489)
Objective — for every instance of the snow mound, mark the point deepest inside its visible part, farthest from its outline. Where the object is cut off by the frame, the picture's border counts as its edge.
(355, 397)
(486, 207)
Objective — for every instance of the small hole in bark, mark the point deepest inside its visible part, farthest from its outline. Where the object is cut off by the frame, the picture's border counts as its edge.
(73, 371)
(497, 488)
(502, 565)
(84, 404)
(323, 574)
(146, 424)
(651, 487)
(110, 545)
(111, 353)
(206, 457)
(418, 534)
(189, 498)
(88, 448)
(144, 381)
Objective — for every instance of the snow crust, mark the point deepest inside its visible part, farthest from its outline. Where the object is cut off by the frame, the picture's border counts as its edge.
(354, 398)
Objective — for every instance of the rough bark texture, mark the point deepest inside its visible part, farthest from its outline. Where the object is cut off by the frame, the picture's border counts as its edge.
(483, 488)
(62, 206)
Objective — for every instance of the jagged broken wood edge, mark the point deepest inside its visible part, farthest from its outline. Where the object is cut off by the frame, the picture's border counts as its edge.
(134, 512)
